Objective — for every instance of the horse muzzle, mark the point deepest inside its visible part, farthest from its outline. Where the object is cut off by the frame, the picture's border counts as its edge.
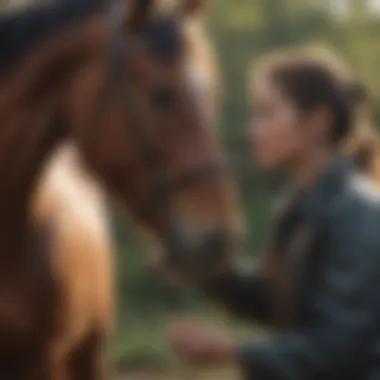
(198, 253)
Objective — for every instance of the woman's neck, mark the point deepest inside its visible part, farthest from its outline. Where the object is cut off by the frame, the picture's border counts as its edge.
(306, 170)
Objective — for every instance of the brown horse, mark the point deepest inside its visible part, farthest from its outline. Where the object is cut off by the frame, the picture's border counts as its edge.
(129, 84)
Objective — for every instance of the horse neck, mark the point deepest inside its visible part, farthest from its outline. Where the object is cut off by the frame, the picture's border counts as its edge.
(32, 120)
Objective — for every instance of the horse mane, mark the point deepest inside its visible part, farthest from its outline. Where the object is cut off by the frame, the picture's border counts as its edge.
(23, 28)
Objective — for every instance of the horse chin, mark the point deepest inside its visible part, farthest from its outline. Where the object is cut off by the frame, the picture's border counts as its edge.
(197, 275)
(183, 257)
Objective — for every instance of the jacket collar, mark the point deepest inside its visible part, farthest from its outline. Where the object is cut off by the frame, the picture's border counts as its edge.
(329, 185)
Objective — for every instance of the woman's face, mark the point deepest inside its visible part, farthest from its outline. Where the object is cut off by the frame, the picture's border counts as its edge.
(276, 128)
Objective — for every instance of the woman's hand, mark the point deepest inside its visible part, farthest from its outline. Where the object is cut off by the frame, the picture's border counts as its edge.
(201, 344)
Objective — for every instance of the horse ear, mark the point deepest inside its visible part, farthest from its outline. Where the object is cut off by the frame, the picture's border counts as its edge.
(138, 14)
(192, 8)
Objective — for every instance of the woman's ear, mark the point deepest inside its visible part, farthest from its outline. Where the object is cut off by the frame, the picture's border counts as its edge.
(319, 122)
(138, 14)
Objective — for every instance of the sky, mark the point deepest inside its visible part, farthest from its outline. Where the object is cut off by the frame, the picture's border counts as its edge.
(376, 4)
(340, 6)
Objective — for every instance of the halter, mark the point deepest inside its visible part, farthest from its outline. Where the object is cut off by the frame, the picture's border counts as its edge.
(161, 188)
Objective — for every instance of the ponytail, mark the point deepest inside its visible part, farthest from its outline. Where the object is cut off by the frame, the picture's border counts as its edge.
(363, 142)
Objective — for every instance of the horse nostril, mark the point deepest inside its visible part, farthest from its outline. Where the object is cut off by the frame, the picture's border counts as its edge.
(199, 255)
(212, 254)
(214, 247)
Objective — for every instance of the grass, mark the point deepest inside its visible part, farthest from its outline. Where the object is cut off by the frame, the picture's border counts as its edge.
(183, 374)
(141, 343)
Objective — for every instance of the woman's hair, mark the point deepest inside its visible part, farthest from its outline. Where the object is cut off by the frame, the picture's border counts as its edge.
(315, 78)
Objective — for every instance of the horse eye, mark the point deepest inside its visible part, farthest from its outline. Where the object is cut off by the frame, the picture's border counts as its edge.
(163, 99)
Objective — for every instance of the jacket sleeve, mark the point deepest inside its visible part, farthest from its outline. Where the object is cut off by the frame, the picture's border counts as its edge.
(334, 343)
(245, 295)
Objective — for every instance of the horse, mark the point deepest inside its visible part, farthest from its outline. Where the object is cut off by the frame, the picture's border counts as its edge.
(129, 84)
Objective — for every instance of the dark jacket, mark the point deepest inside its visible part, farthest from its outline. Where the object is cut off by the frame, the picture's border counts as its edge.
(332, 286)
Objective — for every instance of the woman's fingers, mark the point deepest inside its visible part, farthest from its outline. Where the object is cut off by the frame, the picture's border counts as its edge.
(201, 343)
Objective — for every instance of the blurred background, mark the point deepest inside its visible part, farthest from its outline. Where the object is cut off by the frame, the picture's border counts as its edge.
(242, 30)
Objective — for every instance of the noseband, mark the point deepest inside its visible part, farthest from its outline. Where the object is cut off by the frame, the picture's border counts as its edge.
(161, 188)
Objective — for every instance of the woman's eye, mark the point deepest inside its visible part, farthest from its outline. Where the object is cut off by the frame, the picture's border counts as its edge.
(163, 99)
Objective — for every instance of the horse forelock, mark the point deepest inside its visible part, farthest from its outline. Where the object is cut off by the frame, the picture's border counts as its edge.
(164, 28)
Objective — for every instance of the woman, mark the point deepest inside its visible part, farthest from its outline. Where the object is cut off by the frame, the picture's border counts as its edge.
(319, 282)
